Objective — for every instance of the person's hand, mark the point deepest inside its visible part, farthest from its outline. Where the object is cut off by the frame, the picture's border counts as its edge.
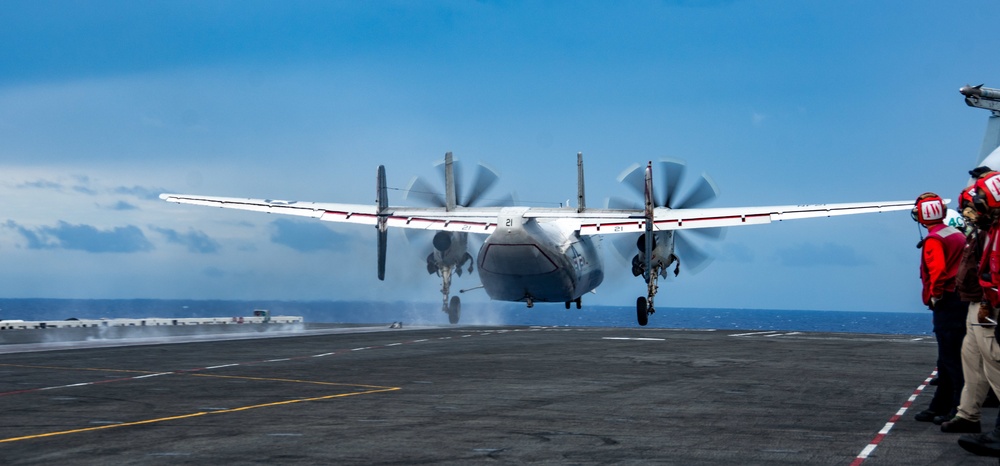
(983, 315)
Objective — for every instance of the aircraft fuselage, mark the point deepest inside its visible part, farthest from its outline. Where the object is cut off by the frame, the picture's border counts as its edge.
(537, 261)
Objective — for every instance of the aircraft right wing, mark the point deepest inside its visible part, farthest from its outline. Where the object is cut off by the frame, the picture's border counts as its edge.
(473, 220)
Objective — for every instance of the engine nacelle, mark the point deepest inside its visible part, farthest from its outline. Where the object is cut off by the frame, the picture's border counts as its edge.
(442, 241)
(663, 253)
(451, 250)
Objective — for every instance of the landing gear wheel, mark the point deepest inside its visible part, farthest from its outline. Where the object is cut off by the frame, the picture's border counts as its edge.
(579, 303)
(641, 311)
(454, 309)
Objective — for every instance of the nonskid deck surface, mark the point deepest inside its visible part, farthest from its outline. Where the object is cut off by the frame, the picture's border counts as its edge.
(459, 395)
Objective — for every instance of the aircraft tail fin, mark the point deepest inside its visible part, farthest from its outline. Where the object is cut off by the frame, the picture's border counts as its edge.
(383, 203)
(991, 140)
(581, 201)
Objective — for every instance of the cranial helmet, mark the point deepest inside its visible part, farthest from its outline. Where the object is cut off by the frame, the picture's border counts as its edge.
(929, 209)
(978, 172)
(987, 195)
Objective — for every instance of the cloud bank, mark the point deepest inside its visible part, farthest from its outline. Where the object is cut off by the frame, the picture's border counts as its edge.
(126, 239)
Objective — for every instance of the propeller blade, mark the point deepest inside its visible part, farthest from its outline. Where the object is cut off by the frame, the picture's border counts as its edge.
(635, 178)
(708, 233)
(624, 204)
(672, 172)
(423, 192)
(624, 245)
(419, 240)
(411, 235)
(704, 192)
(693, 258)
(486, 177)
(507, 200)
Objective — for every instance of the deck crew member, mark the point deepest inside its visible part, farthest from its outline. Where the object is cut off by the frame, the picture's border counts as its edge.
(941, 252)
(987, 203)
(980, 369)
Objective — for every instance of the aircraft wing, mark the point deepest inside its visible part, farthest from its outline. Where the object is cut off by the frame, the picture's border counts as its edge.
(472, 220)
(609, 221)
(483, 220)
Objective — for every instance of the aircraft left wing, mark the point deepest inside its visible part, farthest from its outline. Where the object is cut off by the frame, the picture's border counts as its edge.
(610, 221)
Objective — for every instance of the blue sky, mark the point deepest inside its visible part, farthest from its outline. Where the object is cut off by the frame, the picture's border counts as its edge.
(105, 104)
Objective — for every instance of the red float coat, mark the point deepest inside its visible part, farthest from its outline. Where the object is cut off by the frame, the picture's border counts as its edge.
(942, 252)
(989, 266)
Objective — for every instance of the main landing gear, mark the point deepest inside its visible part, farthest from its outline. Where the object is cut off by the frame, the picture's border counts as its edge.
(452, 307)
(644, 304)
(643, 310)
(578, 301)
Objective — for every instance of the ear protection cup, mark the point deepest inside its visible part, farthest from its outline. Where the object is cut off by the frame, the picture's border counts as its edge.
(965, 198)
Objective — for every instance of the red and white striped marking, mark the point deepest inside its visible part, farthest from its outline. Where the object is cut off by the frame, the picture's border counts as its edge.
(867, 451)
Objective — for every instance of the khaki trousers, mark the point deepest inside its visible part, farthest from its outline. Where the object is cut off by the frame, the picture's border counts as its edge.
(980, 365)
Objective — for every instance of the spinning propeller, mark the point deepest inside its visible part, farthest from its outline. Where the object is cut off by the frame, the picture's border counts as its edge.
(449, 251)
(424, 192)
(668, 177)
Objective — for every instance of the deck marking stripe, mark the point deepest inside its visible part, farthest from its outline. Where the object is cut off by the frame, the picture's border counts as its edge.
(867, 451)
(633, 339)
(192, 415)
(192, 371)
(752, 333)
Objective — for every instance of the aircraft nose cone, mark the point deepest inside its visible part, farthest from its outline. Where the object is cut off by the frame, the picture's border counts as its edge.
(970, 91)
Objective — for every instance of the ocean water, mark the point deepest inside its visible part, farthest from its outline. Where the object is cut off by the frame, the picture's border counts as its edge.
(489, 313)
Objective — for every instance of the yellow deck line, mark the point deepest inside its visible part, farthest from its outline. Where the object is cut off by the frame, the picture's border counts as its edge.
(204, 413)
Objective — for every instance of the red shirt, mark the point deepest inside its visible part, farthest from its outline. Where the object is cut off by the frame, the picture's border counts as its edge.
(942, 252)
(989, 265)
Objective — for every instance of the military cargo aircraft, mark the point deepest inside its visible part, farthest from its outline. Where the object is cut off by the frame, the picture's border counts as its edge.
(533, 254)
